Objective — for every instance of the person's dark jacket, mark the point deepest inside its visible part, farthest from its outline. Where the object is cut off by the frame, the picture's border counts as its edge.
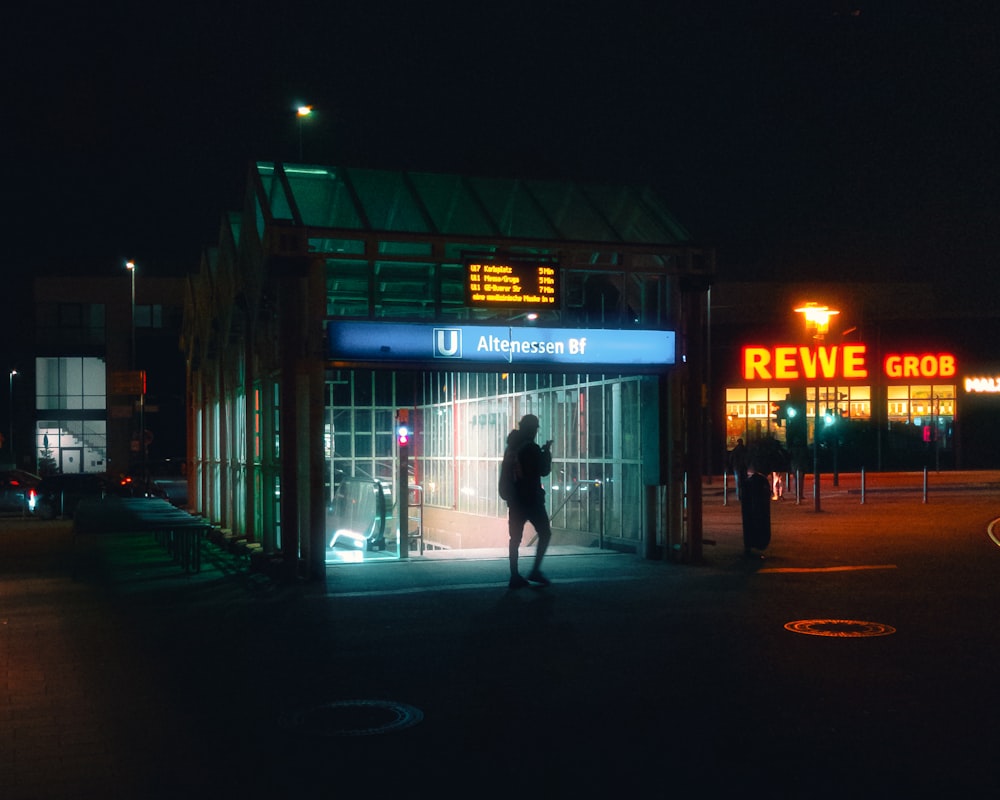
(535, 463)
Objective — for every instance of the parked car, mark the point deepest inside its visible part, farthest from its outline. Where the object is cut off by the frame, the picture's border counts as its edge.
(131, 486)
(59, 495)
(170, 474)
(18, 490)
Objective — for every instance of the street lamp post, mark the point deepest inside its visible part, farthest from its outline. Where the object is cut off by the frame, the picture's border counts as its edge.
(141, 433)
(302, 112)
(10, 440)
(130, 266)
(817, 319)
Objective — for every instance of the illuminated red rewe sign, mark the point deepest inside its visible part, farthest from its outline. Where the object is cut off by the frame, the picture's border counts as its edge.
(838, 362)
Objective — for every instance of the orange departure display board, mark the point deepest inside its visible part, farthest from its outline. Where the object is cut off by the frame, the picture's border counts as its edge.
(511, 282)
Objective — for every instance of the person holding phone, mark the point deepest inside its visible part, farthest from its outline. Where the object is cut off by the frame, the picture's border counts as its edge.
(530, 463)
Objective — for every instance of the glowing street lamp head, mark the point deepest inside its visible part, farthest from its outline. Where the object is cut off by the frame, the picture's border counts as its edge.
(304, 111)
(817, 316)
(130, 266)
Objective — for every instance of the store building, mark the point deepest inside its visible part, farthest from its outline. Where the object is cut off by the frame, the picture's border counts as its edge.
(892, 383)
(344, 303)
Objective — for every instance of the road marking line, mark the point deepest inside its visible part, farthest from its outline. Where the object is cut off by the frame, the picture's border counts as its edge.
(991, 530)
(829, 569)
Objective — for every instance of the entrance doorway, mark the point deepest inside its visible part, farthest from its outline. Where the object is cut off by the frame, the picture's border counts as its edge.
(460, 422)
(70, 460)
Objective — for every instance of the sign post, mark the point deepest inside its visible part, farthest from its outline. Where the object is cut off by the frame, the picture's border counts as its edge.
(403, 480)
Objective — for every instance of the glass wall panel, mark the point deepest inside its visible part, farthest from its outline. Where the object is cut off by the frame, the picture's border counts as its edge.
(347, 288)
(453, 290)
(404, 289)
(73, 437)
(240, 462)
(70, 324)
(461, 422)
(346, 246)
(922, 404)
(647, 300)
(70, 383)
(594, 297)
(750, 413)
(71, 445)
(860, 402)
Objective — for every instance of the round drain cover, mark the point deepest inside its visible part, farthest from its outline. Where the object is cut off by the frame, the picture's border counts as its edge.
(843, 628)
(356, 718)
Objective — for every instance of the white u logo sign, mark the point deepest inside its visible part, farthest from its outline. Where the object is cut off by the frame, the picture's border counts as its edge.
(447, 343)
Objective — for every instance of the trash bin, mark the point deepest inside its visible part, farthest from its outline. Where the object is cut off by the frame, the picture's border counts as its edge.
(756, 508)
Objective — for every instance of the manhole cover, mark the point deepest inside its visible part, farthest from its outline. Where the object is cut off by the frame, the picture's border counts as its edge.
(356, 718)
(843, 628)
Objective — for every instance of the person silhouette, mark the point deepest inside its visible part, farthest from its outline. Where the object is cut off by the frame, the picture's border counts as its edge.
(530, 464)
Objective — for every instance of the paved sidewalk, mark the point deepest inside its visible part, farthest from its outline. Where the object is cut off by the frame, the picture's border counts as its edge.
(137, 680)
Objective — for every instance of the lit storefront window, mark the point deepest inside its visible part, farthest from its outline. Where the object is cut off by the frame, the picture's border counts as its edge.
(854, 402)
(921, 404)
(749, 413)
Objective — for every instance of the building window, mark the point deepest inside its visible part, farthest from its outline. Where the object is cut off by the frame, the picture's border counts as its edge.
(71, 397)
(749, 413)
(921, 404)
(845, 401)
(148, 316)
(71, 445)
(70, 383)
(70, 323)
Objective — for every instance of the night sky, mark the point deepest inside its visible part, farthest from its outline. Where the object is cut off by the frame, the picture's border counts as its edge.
(811, 138)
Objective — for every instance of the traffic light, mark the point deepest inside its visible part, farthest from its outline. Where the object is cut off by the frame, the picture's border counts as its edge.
(403, 427)
(403, 435)
(784, 411)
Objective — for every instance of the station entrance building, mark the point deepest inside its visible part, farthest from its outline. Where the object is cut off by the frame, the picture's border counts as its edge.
(360, 343)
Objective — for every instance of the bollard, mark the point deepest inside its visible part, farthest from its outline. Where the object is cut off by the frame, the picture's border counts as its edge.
(862, 486)
(925, 484)
(725, 488)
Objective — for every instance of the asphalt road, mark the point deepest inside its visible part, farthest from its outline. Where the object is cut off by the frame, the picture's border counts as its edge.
(430, 678)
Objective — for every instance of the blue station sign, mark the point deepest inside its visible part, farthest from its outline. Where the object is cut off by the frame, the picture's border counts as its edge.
(503, 347)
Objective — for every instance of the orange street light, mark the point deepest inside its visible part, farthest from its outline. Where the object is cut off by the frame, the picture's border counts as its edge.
(817, 319)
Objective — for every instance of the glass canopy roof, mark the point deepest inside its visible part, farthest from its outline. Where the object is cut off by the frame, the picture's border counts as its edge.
(383, 201)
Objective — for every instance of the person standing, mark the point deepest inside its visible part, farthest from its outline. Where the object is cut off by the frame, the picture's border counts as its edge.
(777, 486)
(526, 503)
(755, 505)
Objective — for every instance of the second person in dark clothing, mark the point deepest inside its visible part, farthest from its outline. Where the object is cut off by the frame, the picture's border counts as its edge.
(531, 463)
(755, 505)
